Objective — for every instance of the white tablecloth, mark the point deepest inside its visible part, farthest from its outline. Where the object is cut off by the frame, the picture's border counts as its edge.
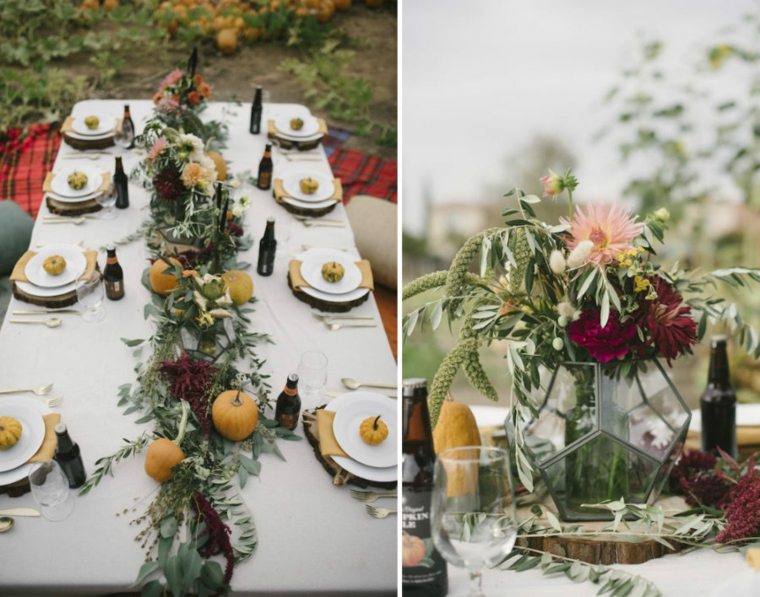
(312, 536)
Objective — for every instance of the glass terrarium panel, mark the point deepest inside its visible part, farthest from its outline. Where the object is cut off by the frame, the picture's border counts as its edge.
(649, 432)
(663, 398)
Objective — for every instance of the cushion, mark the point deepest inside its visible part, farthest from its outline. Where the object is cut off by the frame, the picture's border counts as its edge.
(15, 234)
(374, 224)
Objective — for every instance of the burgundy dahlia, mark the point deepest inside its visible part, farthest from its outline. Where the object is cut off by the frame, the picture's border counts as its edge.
(705, 489)
(668, 323)
(168, 184)
(603, 343)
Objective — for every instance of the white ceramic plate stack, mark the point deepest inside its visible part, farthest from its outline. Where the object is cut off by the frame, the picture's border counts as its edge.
(318, 200)
(373, 463)
(345, 290)
(308, 132)
(106, 128)
(65, 194)
(43, 285)
(28, 412)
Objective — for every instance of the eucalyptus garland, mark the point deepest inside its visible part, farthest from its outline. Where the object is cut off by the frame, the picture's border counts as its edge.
(202, 346)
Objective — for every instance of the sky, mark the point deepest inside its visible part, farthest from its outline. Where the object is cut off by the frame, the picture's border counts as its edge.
(481, 78)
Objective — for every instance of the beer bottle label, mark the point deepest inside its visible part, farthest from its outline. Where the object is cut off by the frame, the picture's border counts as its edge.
(114, 288)
(288, 421)
(265, 180)
(421, 563)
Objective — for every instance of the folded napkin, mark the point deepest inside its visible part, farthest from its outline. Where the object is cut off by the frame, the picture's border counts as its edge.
(19, 274)
(297, 281)
(274, 131)
(279, 191)
(47, 186)
(49, 444)
(66, 127)
(328, 445)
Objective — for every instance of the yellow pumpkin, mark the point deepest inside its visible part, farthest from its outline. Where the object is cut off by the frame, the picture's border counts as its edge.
(325, 11)
(333, 272)
(10, 432)
(160, 282)
(227, 41)
(373, 431)
(456, 427)
(221, 165)
(164, 454)
(234, 415)
(54, 265)
(342, 4)
(240, 286)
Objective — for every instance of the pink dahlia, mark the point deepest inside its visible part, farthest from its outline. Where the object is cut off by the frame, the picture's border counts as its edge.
(608, 226)
(603, 343)
(157, 148)
(668, 322)
(171, 79)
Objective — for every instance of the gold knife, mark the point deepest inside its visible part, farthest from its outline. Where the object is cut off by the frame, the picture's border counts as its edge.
(19, 512)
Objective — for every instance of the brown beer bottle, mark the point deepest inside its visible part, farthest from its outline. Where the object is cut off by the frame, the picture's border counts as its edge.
(424, 575)
(266, 167)
(113, 276)
(718, 403)
(288, 404)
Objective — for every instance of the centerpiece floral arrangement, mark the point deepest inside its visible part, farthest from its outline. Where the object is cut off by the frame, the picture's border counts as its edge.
(203, 386)
(585, 293)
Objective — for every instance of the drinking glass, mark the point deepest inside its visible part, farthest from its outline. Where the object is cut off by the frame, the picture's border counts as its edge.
(107, 201)
(312, 373)
(124, 137)
(90, 295)
(50, 489)
(473, 516)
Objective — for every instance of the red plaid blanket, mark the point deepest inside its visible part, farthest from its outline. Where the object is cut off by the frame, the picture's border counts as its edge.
(363, 174)
(26, 156)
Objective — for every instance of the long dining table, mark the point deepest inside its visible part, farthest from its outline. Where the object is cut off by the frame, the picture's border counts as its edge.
(313, 538)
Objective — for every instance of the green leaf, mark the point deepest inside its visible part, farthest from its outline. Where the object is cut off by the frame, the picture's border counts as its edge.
(154, 588)
(212, 574)
(553, 521)
(168, 527)
(586, 283)
(173, 574)
(132, 343)
(146, 570)
(604, 313)
(250, 465)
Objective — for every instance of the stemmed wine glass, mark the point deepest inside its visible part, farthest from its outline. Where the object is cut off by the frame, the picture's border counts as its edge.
(107, 200)
(473, 516)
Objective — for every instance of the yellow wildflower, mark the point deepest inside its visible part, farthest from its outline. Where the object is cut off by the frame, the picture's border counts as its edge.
(640, 284)
(205, 320)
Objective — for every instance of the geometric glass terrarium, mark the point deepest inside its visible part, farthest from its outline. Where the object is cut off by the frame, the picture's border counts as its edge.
(598, 438)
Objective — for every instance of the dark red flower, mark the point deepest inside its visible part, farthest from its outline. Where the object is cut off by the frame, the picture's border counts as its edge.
(603, 343)
(217, 532)
(743, 511)
(667, 322)
(705, 489)
(168, 184)
(235, 229)
(190, 380)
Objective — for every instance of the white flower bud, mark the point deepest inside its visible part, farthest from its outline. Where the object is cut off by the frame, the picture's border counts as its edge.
(557, 262)
(562, 321)
(579, 255)
(566, 310)
(558, 344)
(220, 313)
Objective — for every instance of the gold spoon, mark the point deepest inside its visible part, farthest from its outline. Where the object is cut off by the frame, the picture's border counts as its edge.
(53, 322)
(6, 523)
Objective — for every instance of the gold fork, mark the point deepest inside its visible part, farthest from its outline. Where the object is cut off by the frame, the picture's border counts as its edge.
(370, 496)
(379, 512)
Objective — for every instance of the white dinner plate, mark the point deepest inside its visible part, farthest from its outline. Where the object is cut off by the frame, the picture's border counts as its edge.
(311, 270)
(309, 129)
(106, 126)
(291, 184)
(75, 135)
(349, 414)
(60, 184)
(20, 472)
(38, 291)
(32, 432)
(82, 199)
(304, 205)
(371, 473)
(326, 296)
(76, 264)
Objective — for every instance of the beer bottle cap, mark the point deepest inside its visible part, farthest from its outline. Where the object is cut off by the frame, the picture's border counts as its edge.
(413, 383)
(60, 428)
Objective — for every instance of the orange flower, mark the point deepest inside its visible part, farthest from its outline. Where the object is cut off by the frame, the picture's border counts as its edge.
(193, 98)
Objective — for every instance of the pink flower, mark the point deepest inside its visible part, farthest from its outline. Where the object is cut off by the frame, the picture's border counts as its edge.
(603, 343)
(157, 148)
(171, 79)
(168, 105)
(609, 227)
(553, 184)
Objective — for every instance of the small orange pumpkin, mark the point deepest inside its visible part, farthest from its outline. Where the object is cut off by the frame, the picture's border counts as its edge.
(412, 550)
(160, 282)
(164, 454)
(234, 415)
(373, 431)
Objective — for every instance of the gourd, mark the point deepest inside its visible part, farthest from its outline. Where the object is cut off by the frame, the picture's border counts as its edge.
(164, 454)
(77, 180)
(54, 265)
(92, 122)
(240, 286)
(296, 124)
(234, 415)
(373, 431)
(412, 551)
(456, 427)
(325, 11)
(10, 432)
(160, 282)
(227, 41)
(308, 185)
(221, 165)
(332, 271)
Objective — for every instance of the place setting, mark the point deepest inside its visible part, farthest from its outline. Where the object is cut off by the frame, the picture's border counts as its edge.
(76, 190)
(308, 193)
(330, 280)
(300, 131)
(57, 276)
(94, 130)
